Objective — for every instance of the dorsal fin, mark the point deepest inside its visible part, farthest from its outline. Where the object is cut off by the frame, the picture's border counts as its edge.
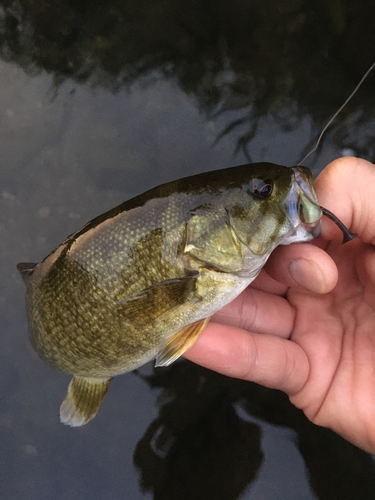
(26, 269)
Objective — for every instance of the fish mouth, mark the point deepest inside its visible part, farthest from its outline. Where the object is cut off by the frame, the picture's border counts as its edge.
(314, 229)
(302, 208)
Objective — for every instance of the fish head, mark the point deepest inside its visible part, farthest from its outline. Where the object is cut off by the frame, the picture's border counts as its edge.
(280, 207)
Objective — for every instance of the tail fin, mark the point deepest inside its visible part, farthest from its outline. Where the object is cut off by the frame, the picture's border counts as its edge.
(83, 400)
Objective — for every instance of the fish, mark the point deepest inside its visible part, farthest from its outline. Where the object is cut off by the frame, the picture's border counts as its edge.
(141, 281)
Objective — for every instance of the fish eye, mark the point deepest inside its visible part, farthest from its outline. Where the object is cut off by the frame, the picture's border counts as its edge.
(261, 188)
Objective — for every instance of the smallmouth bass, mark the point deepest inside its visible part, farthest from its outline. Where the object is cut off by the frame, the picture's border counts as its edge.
(142, 280)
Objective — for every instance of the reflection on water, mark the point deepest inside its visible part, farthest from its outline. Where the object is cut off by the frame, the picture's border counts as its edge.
(285, 59)
(103, 100)
(197, 447)
(200, 446)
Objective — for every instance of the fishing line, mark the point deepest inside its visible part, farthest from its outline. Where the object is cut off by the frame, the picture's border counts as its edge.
(338, 111)
(347, 235)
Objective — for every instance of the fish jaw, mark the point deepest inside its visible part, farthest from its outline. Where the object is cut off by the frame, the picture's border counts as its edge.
(303, 209)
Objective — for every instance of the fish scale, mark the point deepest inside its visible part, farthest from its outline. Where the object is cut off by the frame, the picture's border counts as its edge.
(142, 280)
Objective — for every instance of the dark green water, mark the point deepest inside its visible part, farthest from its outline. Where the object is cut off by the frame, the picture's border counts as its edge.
(100, 101)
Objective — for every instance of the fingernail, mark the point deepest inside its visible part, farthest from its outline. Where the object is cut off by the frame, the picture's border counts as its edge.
(307, 274)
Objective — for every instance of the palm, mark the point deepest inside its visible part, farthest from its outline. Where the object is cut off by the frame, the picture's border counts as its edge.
(318, 346)
(335, 330)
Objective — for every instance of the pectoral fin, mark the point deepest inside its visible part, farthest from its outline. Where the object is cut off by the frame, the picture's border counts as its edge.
(83, 400)
(158, 299)
(180, 342)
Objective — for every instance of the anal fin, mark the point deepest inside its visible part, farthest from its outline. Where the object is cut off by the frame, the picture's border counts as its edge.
(83, 400)
(180, 342)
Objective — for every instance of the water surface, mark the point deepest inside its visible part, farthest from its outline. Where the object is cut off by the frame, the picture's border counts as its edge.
(100, 102)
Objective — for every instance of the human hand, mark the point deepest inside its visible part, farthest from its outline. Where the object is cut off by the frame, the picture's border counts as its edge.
(306, 325)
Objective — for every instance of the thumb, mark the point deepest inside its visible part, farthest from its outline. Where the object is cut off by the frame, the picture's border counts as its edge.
(303, 265)
(347, 188)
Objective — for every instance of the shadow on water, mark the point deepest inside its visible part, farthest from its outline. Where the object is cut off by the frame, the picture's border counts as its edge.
(206, 441)
(250, 59)
(242, 63)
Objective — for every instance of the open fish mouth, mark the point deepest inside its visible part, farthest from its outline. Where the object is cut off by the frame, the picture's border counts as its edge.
(307, 211)
(313, 229)
(304, 211)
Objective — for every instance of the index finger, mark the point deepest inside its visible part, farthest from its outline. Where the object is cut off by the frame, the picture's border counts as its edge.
(260, 312)
(265, 359)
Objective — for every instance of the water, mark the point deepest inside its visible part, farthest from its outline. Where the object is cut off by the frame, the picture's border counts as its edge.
(124, 104)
